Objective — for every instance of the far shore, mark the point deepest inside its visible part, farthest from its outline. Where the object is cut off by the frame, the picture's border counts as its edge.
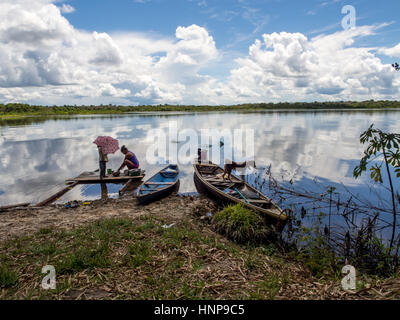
(16, 110)
(170, 113)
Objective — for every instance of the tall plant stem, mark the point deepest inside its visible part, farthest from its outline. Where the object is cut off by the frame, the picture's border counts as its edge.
(393, 199)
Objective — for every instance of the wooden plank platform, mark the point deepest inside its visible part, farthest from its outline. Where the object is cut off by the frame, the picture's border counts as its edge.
(107, 179)
(57, 195)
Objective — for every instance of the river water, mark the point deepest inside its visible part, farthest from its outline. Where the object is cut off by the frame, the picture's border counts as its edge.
(38, 154)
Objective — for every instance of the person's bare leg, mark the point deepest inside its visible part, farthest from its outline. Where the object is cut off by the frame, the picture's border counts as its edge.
(130, 164)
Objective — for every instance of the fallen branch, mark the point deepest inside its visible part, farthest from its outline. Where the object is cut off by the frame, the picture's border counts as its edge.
(5, 208)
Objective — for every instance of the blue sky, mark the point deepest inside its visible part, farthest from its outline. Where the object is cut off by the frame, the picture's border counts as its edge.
(234, 24)
(197, 51)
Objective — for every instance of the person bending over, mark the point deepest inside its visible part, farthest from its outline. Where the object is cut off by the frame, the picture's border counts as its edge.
(130, 160)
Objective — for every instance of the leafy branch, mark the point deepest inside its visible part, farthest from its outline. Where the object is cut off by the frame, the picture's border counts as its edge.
(383, 147)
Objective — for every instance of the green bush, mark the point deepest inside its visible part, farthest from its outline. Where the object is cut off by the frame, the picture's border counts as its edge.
(312, 247)
(319, 259)
(242, 225)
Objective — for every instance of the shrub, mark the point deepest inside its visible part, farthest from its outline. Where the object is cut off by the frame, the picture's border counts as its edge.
(242, 225)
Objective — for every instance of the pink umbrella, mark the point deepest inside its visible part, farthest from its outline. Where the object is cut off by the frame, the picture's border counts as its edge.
(108, 144)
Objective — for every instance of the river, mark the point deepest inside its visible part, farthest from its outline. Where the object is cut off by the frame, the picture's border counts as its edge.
(38, 154)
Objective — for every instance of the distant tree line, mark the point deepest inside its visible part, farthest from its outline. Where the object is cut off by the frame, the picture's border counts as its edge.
(26, 109)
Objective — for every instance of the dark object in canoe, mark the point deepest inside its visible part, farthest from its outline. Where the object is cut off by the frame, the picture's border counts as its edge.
(162, 184)
(208, 180)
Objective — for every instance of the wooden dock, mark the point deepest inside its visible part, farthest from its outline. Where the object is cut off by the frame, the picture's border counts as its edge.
(107, 179)
(130, 182)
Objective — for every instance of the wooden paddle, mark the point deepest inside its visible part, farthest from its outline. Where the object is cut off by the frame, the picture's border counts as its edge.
(241, 195)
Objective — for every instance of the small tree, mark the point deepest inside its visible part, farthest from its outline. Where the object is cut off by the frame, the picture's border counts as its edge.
(383, 149)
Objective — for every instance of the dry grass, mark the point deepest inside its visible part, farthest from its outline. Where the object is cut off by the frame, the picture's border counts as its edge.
(129, 255)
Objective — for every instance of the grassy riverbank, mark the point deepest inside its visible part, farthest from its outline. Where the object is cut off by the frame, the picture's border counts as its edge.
(117, 250)
(17, 110)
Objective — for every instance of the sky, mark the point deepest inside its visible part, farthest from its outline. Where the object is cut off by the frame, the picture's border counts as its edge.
(204, 52)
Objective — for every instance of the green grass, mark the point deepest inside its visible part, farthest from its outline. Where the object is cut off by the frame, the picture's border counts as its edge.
(251, 261)
(8, 278)
(141, 244)
(192, 291)
(83, 259)
(138, 259)
(45, 231)
(138, 254)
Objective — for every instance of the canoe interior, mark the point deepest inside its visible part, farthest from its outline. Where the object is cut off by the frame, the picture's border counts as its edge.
(234, 190)
(164, 179)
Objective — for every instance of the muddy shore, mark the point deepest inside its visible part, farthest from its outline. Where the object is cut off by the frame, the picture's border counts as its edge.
(27, 221)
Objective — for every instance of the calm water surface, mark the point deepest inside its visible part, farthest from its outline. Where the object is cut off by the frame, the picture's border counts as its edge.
(37, 155)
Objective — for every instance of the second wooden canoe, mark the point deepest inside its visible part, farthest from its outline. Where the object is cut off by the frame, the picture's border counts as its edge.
(208, 180)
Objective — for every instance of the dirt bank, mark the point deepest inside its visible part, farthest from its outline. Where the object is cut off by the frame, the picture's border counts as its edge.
(27, 221)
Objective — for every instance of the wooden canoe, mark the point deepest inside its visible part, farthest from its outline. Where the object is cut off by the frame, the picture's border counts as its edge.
(160, 185)
(208, 180)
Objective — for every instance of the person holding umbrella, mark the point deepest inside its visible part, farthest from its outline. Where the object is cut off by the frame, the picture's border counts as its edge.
(103, 159)
(106, 145)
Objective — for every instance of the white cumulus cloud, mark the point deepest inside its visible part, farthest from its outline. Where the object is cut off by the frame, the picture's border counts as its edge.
(391, 52)
(290, 66)
(45, 59)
